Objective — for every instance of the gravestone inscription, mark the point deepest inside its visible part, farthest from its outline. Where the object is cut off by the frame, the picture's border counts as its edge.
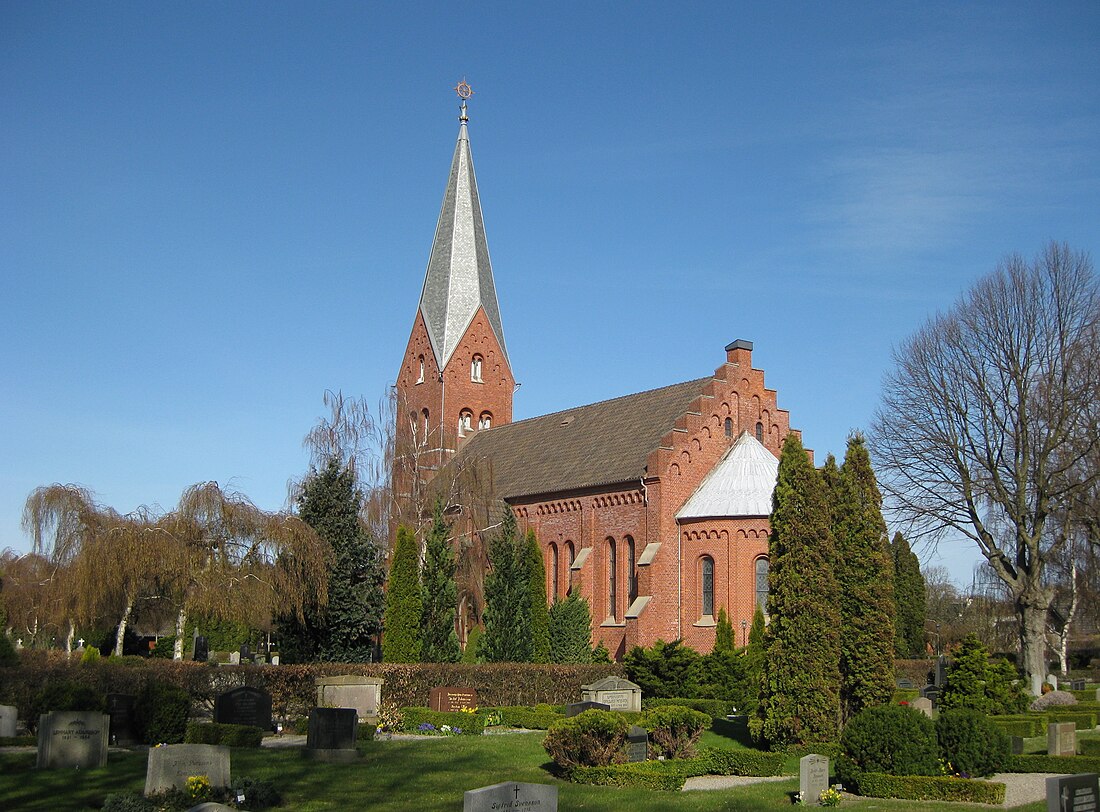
(1061, 739)
(449, 700)
(581, 707)
(9, 715)
(170, 765)
(244, 706)
(72, 739)
(637, 744)
(619, 693)
(813, 777)
(511, 795)
(120, 707)
(350, 691)
(1073, 793)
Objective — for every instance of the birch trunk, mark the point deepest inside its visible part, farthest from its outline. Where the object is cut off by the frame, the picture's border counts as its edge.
(181, 623)
(122, 624)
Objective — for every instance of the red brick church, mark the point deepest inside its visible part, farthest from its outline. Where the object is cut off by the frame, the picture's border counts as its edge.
(653, 505)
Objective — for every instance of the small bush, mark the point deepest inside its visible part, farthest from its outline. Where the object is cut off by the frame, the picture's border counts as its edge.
(161, 713)
(367, 731)
(90, 655)
(828, 749)
(219, 733)
(9, 657)
(469, 723)
(64, 695)
(1084, 720)
(894, 739)
(928, 788)
(971, 745)
(594, 738)
(720, 761)
(1089, 747)
(258, 794)
(674, 730)
(1052, 699)
(128, 802)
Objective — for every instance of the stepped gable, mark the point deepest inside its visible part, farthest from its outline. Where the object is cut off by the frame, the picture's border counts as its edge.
(584, 447)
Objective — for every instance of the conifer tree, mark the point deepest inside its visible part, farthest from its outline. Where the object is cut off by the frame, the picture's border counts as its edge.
(535, 574)
(723, 632)
(909, 600)
(570, 630)
(439, 641)
(800, 686)
(754, 662)
(507, 637)
(401, 640)
(864, 572)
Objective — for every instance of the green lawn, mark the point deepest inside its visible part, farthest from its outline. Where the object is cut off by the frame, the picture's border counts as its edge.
(401, 775)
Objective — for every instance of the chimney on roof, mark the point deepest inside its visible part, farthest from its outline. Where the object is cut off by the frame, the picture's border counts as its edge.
(739, 353)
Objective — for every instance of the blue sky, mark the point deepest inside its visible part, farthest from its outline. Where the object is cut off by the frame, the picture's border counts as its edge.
(211, 213)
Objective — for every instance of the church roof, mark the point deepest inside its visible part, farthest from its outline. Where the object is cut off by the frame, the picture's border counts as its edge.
(459, 278)
(592, 445)
(741, 484)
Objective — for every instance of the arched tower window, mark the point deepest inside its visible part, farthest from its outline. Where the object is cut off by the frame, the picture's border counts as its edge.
(421, 378)
(465, 421)
(762, 584)
(729, 427)
(759, 432)
(632, 583)
(424, 414)
(612, 580)
(475, 369)
(707, 579)
(555, 581)
(485, 421)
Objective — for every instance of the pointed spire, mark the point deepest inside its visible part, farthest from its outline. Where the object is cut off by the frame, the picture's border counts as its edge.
(459, 278)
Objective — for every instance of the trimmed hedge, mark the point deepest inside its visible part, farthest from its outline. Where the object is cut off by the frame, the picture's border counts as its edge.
(1039, 763)
(829, 749)
(715, 708)
(1023, 726)
(1089, 747)
(720, 761)
(667, 775)
(929, 788)
(1084, 720)
(469, 723)
(220, 733)
(538, 718)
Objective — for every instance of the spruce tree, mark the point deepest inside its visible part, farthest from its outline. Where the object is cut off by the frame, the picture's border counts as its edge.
(345, 631)
(401, 622)
(865, 578)
(909, 600)
(800, 686)
(439, 641)
(535, 574)
(570, 630)
(723, 632)
(507, 637)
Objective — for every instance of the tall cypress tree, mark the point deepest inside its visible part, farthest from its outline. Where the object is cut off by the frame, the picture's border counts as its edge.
(535, 574)
(723, 632)
(346, 629)
(439, 641)
(909, 599)
(570, 630)
(800, 686)
(404, 607)
(507, 637)
(754, 662)
(865, 577)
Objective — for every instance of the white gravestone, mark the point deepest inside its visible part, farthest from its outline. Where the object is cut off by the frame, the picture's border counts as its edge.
(924, 705)
(352, 691)
(9, 715)
(813, 777)
(615, 692)
(1061, 739)
(511, 795)
(170, 765)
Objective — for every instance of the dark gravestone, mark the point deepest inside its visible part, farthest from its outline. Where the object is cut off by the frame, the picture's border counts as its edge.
(246, 653)
(331, 734)
(905, 684)
(1073, 793)
(202, 649)
(932, 693)
(1017, 745)
(244, 706)
(1077, 685)
(941, 671)
(581, 707)
(637, 744)
(120, 707)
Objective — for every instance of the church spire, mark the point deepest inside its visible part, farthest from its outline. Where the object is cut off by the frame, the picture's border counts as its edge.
(459, 278)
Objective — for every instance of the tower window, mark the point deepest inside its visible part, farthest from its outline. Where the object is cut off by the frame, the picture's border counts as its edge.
(475, 369)
(760, 432)
(421, 378)
(485, 421)
(762, 584)
(465, 421)
(708, 586)
(729, 427)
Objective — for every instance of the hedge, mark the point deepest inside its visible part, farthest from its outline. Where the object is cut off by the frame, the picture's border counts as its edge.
(1089, 747)
(471, 724)
(929, 788)
(1020, 725)
(537, 718)
(716, 708)
(828, 749)
(219, 733)
(720, 761)
(1040, 763)
(662, 775)
(1084, 720)
(1087, 695)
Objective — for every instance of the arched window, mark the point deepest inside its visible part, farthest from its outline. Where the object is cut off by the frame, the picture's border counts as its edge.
(414, 420)
(475, 369)
(729, 427)
(570, 557)
(707, 572)
(759, 432)
(555, 581)
(421, 378)
(762, 584)
(632, 584)
(424, 414)
(485, 421)
(465, 421)
(612, 584)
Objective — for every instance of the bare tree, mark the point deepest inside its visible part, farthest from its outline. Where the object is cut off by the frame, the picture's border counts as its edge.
(992, 415)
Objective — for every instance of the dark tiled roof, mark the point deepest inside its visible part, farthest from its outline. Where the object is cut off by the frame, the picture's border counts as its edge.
(583, 447)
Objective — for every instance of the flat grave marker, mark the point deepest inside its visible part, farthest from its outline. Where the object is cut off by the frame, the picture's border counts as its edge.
(448, 700)
(511, 795)
(170, 765)
(813, 777)
(72, 739)
(1073, 793)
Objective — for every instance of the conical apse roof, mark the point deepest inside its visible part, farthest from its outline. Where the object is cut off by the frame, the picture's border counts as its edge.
(741, 484)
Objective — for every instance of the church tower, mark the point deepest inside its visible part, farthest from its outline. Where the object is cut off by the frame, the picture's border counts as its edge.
(455, 378)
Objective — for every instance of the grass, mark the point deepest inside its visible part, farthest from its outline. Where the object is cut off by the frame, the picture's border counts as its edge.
(399, 775)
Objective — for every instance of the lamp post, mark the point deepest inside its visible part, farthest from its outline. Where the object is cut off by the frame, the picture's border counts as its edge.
(744, 625)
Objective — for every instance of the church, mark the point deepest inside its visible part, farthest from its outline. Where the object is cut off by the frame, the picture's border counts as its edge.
(653, 506)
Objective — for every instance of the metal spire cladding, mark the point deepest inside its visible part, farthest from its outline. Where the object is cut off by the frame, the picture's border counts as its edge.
(459, 278)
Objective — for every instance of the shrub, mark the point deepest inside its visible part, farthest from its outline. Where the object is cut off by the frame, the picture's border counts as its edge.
(720, 761)
(715, 708)
(258, 794)
(665, 669)
(128, 802)
(1020, 726)
(538, 718)
(1089, 747)
(659, 775)
(674, 730)
(90, 655)
(976, 683)
(161, 713)
(228, 735)
(64, 695)
(8, 655)
(594, 738)
(1052, 699)
(971, 745)
(1084, 720)
(928, 788)
(469, 723)
(894, 739)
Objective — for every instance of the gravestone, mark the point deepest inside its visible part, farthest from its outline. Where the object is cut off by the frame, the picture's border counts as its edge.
(1098, 694)
(618, 693)
(813, 778)
(244, 706)
(274, 659)
(905, 684)
(234, 658)
(941, 671)
(931, 693)
(72, 739)
(120, 707)
(1017, 745)
(352, 691)
(1073, 793)
(1036, 684)
(511, 795)
(1052, 681)
(581, 707)
(924, 705)
(1061, 739)
(9, 715)
(246, 653)
(1077, 685)
(201, 649)
(170, 765)
(448, 700)
(637, 744)
(331, 734)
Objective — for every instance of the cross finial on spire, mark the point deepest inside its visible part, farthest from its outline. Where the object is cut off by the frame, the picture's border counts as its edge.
(464, 92)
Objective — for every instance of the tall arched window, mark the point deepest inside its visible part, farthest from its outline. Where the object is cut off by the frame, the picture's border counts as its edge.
(555, 581)
(465, 421)
(475, 369)
(570, 557)
(762, 584)
(485, 421)
(421, 378)
(759, 432)
(707, 573)
(424, 414)
(729, 426)
(632, 584)
(612, 580)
